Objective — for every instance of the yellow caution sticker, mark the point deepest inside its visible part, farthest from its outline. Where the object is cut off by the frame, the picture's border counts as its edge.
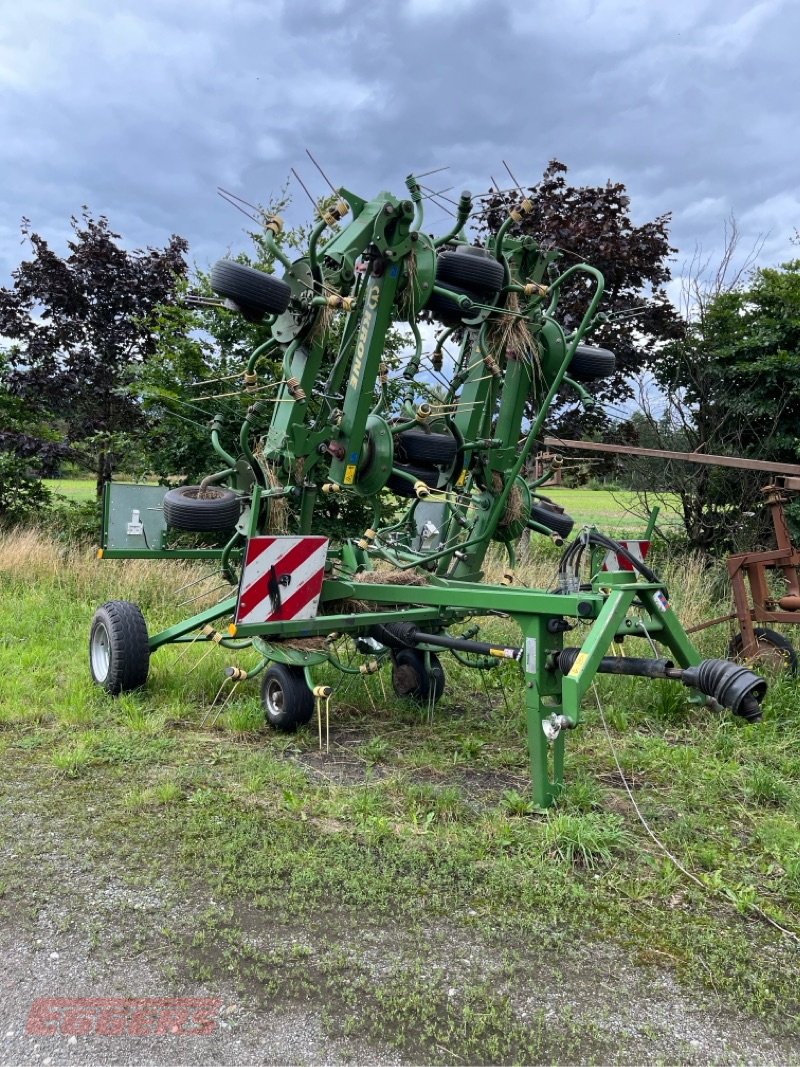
(578, 665)
(99, 553)
(350, 474)
(462, 478)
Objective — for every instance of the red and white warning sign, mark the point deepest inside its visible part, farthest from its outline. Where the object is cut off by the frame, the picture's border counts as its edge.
(282, 579)
(615, 561)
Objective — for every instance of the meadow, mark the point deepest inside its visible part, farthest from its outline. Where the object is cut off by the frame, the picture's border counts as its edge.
(416, 829)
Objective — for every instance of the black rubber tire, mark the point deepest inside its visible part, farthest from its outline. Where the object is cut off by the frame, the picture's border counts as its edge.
(404, 488)
(184, 510)
(250, 289)
(557, 521)
(448, 313)
(417, 447)
(410, 679)
(478, 271)
(778, 641)
(589, 364)
(287, 700)
(119, 648)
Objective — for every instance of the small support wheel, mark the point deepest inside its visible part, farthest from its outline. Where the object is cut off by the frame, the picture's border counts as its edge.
(254, 292)
(119, 648)
(410, 679)
(199, 510)
(775, 653)
(551, 517)
(288, 702)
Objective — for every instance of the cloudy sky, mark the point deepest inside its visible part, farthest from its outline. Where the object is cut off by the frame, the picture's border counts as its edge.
(141, 109)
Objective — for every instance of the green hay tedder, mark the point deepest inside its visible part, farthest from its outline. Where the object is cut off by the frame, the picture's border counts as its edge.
(451, 437)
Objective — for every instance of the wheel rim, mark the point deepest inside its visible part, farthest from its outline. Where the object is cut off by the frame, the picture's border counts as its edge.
(100, 652)
(273, 697)
(772, 660)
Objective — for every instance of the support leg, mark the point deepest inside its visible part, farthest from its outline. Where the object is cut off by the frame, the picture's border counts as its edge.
(542, 700)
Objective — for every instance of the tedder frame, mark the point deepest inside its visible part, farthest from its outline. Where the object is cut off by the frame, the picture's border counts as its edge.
(452, 436)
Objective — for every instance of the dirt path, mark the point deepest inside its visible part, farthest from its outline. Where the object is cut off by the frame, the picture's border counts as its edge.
(75, 923)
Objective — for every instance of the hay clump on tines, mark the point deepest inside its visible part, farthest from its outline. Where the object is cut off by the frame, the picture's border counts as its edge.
(278, 509)
(514, 507)
(510, 333)
(391, 577)
(407, 302)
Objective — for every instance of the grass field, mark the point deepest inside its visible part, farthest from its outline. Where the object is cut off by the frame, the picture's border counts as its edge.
(618, 512)
(413, 821)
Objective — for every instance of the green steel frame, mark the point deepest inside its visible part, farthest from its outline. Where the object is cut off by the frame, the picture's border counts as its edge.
(331, 430)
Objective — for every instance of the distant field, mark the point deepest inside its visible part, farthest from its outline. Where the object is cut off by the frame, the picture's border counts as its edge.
(615, 511)
(72, 488)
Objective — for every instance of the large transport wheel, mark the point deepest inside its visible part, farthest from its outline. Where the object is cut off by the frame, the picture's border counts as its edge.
(402, 487)
(589, 364)
(288, 702)
(418, 447)
(119, 648)
(411, 680)
(216, 509)
(255, 293)
(548, 515)
(775, 654)
(472, 267)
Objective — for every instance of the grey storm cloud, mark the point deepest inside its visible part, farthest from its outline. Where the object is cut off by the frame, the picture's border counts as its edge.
(140, 110)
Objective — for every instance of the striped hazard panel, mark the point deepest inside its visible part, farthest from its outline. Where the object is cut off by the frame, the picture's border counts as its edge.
(282, 579)
(615, 561)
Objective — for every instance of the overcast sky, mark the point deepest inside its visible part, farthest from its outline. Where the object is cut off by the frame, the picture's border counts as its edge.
(141, 109)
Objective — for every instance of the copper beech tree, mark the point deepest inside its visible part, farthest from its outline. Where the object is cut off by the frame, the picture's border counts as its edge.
(76, 328)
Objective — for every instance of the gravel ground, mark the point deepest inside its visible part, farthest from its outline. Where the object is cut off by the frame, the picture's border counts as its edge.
(73, 927)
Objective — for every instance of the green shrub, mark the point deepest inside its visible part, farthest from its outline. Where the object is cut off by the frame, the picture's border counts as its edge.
(22, 494)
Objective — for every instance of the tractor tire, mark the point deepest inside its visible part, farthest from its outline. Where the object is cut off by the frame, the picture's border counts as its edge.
(557, 521)
(119, 648)
(417, 447)
(589, 364)
(448, 313)
(288, 702)
(402, 487)
(253, 291)
(412, 681)
(775, 651)
(472, 267)
(185, 510)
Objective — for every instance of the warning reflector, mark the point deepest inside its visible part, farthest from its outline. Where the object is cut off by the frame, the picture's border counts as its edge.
(282, 579)
(615, 561)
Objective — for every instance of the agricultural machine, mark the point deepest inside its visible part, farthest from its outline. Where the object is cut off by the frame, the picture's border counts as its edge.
(450, 437)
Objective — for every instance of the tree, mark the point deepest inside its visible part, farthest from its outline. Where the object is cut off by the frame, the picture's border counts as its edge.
(730, 386)
(78, 326)
(593, 224)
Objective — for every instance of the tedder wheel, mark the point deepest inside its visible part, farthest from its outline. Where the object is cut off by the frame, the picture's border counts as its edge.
(415, 446)
(590, 363)
(557, 521)
(288, 702)
(474, 267)
(119, 649)
(216, 509)
(402, 487)
(448, 312)
(410, 679)
(775, 652)
(254, 292)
